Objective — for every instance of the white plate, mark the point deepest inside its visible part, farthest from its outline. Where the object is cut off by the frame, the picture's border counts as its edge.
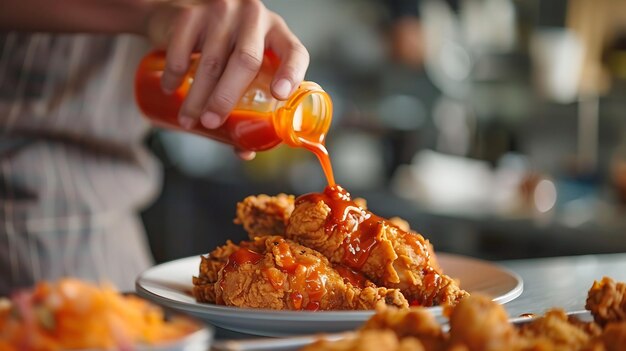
(169, 284)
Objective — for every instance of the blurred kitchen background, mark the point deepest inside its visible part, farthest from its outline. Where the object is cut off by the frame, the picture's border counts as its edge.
(495, 127)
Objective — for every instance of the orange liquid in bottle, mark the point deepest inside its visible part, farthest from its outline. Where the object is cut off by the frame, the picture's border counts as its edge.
(249, 127)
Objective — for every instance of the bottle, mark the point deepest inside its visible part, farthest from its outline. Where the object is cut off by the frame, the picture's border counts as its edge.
(258, 122)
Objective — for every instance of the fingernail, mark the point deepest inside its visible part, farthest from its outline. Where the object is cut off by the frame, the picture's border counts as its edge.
(211, 120)
(282, 88)
(247, 155)
(186, 121)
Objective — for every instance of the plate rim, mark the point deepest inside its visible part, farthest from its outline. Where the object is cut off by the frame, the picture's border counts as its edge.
(502, 299)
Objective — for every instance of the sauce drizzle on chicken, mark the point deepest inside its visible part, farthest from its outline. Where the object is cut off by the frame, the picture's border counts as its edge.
(241, 257)
(238, 258)
(351, 276)
(361, 227)
(307, 278)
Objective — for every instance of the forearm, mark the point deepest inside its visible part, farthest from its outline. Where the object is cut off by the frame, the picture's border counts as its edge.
(72, 16)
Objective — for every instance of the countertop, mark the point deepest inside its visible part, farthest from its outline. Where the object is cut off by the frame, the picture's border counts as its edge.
(561, 281)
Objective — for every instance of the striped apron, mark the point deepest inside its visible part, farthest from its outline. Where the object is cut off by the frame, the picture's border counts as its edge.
(73, 169)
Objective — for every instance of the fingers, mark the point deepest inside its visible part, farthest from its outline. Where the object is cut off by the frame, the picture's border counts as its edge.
(245, 154)
(224, 72)
(210, 67)
(243, 65)
(184, 37)
(294, 60)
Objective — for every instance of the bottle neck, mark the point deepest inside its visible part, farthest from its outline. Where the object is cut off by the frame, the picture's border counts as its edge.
(305, 117)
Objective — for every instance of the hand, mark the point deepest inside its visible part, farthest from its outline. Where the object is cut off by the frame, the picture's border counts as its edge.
(232, 36)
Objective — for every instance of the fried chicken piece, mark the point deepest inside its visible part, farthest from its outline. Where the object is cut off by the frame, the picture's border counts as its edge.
(613, 337)
(480, 324)
(203, 285)
(368, 340)
(289, 276)
(203, 289)
(345, 233)
(362, 203)
(405, 226)
(607, 301)
(264, 215)
(556, 331)
(398, 222)
(415, 322)
(590, 328)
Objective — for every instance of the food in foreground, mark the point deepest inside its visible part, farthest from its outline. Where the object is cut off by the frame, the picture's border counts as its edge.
(607, 301)
(349, 234)
(287, 276)
(479, 324)
(72, 314)
(327, 245)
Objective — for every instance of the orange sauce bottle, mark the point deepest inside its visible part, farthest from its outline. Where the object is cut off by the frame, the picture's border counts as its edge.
(259, 122)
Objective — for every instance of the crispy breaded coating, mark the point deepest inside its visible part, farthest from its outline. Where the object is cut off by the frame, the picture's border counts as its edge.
(400, 223)
(590, 328)
(210, 265)
(556, 330)
(397, 258)
(481, 325)
(607, 301)
(203, 289)
(413, 322)
(264, 215)
(405, 226)
(368, 340)
(613, 337)
(289, 276)
(363, 204)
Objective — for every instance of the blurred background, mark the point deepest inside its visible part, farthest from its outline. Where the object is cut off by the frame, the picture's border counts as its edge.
(495, 127)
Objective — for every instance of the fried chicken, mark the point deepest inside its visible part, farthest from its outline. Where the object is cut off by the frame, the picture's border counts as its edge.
(377, 251)
(348, 234)
(415, 322)
(368, 340)
(480, 324)
(556, 329)
(476, 324)
(607, 301)
(264, 215)
(203, 285)
(613, 337)
(288, 276)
